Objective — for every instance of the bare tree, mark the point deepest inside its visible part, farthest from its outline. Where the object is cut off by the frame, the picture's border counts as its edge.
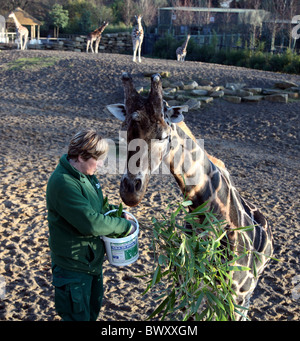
(149, 11)
(183, 17)
(128, 11)
(292, 11)
(8, 6)
(256, 22)
(278, 9)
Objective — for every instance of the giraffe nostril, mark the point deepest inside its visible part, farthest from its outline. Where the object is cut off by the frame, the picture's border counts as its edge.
(125, 76)
(138, 185)
(128, 185)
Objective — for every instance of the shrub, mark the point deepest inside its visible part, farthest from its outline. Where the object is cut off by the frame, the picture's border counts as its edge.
(288, 62)
(206, 53)
(166, 47)
(238, 58)
(277, 63)
(294, 66)
(220, 57)
(258, 60)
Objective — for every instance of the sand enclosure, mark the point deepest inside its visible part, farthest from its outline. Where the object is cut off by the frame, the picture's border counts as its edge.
(42, 105)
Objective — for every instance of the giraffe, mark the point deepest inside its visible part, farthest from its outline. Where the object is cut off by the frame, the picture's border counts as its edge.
(95, 36)
(137, 36)
(22, 32)
(181, 50)
(200, 177)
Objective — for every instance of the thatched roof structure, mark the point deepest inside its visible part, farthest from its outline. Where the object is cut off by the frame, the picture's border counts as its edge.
(24, 18)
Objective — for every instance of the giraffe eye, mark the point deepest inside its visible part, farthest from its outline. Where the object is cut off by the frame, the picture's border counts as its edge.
(164, 137)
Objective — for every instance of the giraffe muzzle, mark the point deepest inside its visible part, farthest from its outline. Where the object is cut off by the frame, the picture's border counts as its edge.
(132, 189)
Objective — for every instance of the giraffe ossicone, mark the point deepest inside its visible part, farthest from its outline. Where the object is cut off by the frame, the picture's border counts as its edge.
(201, 177)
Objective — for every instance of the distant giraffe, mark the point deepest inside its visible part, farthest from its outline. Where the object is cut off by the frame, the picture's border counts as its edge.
(181, 50)
(22, 32)
(200, 178)
(95, 36)
(137, 38)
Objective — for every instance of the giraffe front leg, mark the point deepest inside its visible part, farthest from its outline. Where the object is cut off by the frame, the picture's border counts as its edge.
(135, 47)
(134, 55)
(97, 46)
(140, 47)
(87, 46)
(26, 43)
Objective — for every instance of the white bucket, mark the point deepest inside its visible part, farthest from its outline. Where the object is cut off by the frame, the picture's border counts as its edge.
(122, 251)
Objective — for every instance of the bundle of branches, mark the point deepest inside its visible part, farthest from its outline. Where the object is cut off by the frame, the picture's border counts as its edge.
(193, 262)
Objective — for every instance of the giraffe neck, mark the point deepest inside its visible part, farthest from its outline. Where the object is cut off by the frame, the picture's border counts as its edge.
(200, 180)
(139, 29)
(102, 28)
(18, 25)
(184, 46)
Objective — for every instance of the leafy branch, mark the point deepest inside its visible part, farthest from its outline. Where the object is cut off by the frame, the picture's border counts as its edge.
(194, 261)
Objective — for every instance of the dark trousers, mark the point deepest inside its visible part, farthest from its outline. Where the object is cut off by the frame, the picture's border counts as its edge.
(78, 296)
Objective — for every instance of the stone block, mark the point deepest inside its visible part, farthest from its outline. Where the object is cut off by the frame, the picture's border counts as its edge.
(277, 98)
(233, 99)
(199, 92)
(193, 104)
(205, 99)
(253, 99)
(190, 86)
(285, 85)
(217, 94)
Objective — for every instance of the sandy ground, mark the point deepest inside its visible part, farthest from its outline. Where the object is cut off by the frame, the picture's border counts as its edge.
(41, 108)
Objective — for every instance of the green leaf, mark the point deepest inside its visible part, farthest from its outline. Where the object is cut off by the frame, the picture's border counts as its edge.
(163, 260)
(254, 267)
(201, 316)
(159, 308)
(120, 210)
(156, 276)
(199, 300)
(238, 268)
(187, 203)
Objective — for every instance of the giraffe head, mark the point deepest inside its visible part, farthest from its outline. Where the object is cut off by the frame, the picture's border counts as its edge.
(148, 123)
(104, 25)
(12, 15)
(138, 18)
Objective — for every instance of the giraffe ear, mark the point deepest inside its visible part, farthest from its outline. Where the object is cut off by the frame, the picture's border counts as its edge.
(118, 110)
(175, 113)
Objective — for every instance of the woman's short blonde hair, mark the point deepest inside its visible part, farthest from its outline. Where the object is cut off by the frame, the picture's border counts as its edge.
(87, 143)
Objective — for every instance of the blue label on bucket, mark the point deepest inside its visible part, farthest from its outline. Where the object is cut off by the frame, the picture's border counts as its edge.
(124, 246)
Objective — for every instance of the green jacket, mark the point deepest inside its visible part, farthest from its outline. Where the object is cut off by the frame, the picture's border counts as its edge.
(76, 219)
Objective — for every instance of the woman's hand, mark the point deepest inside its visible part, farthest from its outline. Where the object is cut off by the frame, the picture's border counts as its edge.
(126, 216)
(132, 228)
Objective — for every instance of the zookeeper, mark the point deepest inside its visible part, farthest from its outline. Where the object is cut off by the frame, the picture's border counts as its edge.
(76, 220)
